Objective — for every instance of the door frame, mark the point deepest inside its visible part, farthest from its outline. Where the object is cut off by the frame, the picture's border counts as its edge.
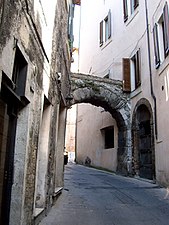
(135, 138)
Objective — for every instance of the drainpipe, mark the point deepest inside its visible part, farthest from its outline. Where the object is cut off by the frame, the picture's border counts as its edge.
(150, 72)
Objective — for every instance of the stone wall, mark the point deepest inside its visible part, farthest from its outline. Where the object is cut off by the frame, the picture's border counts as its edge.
(107, 93)
(22, 27)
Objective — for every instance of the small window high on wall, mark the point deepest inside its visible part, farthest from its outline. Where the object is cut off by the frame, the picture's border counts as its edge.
(105, 29)
(129, 7)
(161, 37)
(19, 73)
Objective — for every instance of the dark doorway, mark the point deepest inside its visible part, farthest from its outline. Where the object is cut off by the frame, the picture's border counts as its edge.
(143, 144)
(145, 150)
(12, 100)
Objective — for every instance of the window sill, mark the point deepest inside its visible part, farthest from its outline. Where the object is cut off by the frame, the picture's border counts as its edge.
(105, 44)
(38, 211)
(132, 16)
(136, 92)
(108, 149)
(163, 66)
(57, 191)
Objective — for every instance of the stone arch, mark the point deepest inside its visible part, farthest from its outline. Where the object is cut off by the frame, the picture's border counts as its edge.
(108, 94)
(143, 149)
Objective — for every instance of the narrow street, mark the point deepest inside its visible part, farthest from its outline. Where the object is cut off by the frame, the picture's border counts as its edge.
(93, 197)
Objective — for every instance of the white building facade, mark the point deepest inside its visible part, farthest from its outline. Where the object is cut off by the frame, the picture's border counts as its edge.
(128, 41)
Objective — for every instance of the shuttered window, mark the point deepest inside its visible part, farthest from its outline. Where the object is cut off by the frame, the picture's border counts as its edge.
(166, 29)
(131, 73)
(156, 46)
(126, 75)
(77, 2)
(101, 33)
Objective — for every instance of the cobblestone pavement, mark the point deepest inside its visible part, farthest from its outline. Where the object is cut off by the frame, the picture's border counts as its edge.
(93, 197)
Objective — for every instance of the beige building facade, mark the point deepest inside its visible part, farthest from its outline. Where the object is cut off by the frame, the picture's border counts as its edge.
(35, 57)
(127, 41)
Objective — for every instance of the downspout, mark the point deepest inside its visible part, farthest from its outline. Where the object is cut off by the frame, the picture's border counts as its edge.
(150, 72)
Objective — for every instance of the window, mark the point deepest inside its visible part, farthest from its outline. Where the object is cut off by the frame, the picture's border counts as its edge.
(19, 73)
(105, 29)
(125, 10)
(134, 4)
(101, 33)
(166, 29)
(135, 71)
(109, 137)
(131, 73)
(156, 46)
(161, 37)
(129, 7)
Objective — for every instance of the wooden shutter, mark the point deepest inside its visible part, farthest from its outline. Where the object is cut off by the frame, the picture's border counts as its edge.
(126, 75)
(109, 24)
(156, 46)
(136, 3)
(77, 2)
(101, 33)
(166, 29)
(125, 10)
(137, 69)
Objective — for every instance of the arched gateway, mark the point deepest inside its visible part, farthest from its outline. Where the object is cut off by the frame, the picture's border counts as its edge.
(107, 93)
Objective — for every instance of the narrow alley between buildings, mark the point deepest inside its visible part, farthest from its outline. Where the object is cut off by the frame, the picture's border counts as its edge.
(95, 197)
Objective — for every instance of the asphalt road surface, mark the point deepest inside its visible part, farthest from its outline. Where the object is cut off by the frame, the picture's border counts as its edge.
(93, 197)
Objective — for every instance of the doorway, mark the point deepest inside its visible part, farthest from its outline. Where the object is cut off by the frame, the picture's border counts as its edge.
(143, 143)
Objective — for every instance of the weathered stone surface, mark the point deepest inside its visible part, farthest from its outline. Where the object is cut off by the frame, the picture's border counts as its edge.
(109, 94)
(106, 93)
(21, 26)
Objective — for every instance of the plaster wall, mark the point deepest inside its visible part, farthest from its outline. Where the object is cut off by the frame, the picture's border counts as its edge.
(107, 59)
(90, 139)
(71, 132)
(126, 38)
(160, 85)
(59, 173)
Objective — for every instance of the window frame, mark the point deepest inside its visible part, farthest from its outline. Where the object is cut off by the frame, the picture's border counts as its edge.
(156, 45)
(161, 37)
(129, 7)
(132, 72)
(19, 75)
(109, 137)
(166, 29)
(101, 33)
(105, 29)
